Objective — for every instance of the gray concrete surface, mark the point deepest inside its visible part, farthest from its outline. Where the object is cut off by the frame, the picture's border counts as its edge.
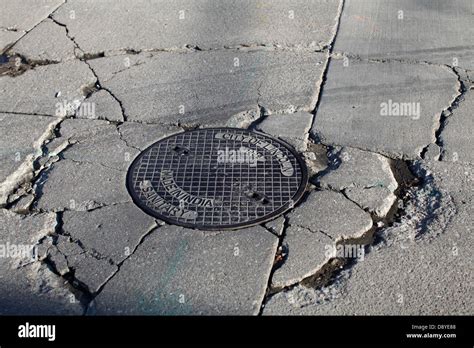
(409, 276)
(435, 31)
(178, 271)
(352, 108)
(362, 89)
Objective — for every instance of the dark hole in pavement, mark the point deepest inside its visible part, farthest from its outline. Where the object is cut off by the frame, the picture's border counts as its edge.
(217, 178)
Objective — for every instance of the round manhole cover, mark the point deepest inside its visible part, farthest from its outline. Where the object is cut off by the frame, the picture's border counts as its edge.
(217, 178)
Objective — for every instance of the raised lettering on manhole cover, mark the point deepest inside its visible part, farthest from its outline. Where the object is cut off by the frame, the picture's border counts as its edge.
(217, 178)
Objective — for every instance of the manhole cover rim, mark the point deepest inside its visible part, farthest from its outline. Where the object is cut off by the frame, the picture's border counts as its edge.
(266, 218)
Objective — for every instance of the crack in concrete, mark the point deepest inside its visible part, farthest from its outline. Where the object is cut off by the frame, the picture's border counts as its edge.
(279, 259)
(80, 289)
(93, 163)
(332, 268)
(463, 87)
(26, 172)
(38, 168)
(309, 229)
(412, 178)
(323, 79)
(341, 54)
(90, 305)
(446, 113)
(84, 57)
(188, 48)
(27, 114)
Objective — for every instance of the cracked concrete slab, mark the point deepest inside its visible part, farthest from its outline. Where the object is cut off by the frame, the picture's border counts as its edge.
(141, 136)
(178, 271)
(19, 17)
(84, 268)
(293, 128)
(208, 24)
(323, 219)
(96, 84)
(54, 89)
(306, 254)
(388, 279)
(444, 31)
(377, 200)
(366, 178)
(46, 42)
(102, 106)
(457, 135)
(91, 272)
(332, 214)
(21, 141)
(103, 147)
(27, 286)
(93, 152)
(199, 88)
(79, 186)
(357, 168)
(113, 231)
(391, 108)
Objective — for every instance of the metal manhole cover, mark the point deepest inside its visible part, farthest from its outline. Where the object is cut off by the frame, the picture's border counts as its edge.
(217, 178)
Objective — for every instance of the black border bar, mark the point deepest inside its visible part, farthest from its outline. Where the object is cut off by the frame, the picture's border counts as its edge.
(278, 331)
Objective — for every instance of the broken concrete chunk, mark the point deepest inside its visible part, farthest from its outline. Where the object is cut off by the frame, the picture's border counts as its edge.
(357, 168)
(366, 178)
(377, 200)
(22, 205)
(28, 286)
(180, 271)
(316, 158)
(324, 218)
(243, 119)
(292, 128)
(58, 261)
(21, 141)
(306, 252)
(332, 214)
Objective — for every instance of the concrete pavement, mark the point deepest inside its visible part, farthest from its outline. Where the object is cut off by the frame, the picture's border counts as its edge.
(377, 97)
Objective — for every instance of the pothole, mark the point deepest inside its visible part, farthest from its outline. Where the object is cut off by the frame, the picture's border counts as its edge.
(217, 178)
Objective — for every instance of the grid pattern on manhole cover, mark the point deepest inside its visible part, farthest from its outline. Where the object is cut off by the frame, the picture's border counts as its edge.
(217, 178)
